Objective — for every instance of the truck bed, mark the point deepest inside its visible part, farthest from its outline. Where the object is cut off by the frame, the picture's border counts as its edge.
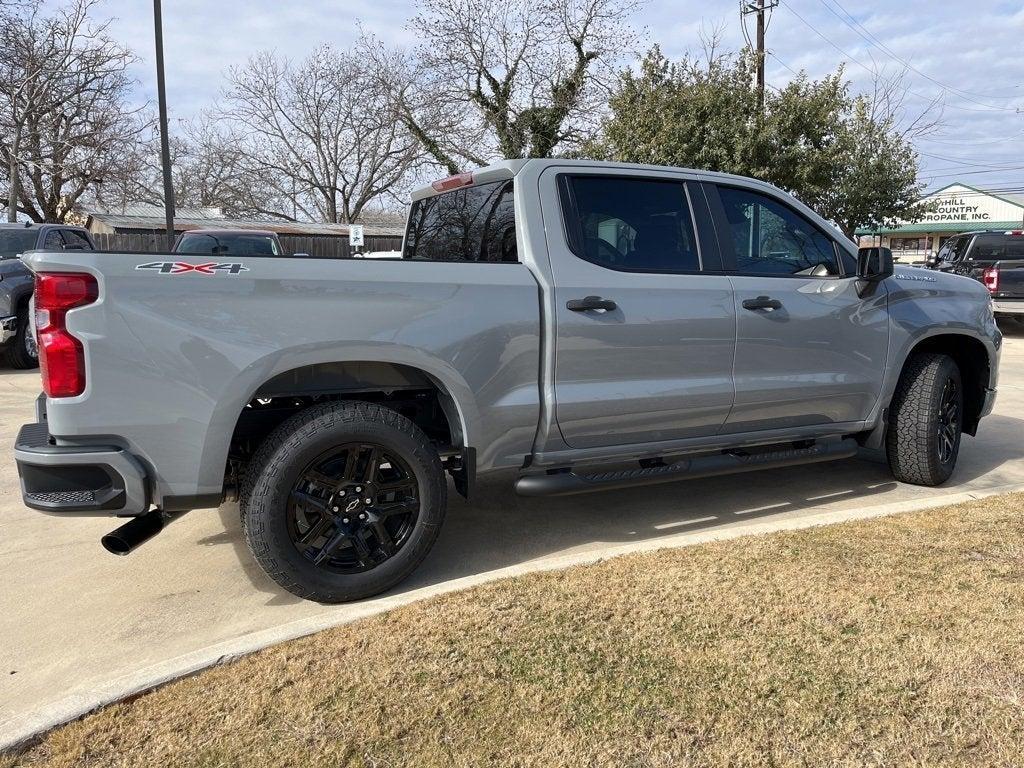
(202, 342)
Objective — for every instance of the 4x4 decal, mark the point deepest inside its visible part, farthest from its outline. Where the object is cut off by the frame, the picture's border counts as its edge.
(181, 267)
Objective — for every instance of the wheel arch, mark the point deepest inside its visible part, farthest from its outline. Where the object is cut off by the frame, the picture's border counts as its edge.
(974, 361)
(365, 374)
(364, 377)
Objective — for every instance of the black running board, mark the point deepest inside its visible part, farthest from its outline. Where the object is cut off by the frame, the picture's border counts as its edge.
(567, 482)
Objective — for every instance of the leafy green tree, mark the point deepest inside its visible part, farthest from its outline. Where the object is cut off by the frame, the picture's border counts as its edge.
(842, 155)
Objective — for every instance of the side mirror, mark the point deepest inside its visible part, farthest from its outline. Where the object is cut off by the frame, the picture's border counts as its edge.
(873, 266)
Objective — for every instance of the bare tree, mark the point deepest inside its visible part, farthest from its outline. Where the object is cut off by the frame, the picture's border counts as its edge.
(323, 134)
(64, 90)
(211, 166)
(508, 78)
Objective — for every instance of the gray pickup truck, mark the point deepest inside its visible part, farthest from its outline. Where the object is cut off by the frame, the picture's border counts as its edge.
(17, 343)
(569, 325)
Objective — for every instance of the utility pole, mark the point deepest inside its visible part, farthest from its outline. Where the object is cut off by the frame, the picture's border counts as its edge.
(760, 55)
(760, 7)
(165, 143)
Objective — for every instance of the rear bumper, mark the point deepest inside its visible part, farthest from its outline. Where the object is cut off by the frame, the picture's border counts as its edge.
(78, 480)
(1008, 306)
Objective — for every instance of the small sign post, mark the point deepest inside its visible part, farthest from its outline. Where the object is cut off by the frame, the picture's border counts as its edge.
(355, 236)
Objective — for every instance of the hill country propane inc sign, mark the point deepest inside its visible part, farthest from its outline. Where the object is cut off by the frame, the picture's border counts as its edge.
(960, 204)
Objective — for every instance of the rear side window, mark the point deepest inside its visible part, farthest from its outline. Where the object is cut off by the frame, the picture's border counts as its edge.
(624, 223)
(76, 241)
(53, 241)
(469, 224)
(772, 239)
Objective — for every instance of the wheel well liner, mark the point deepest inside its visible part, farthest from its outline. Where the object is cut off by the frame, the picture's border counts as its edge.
(972, 359)
(410, 390)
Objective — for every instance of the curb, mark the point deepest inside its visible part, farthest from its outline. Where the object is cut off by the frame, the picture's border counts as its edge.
(20, 731)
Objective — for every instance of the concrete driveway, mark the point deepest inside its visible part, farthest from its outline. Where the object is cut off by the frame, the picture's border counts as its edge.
(80, 627)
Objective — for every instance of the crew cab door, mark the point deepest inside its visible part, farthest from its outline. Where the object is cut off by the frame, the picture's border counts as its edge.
(809, 349)
(644, 320)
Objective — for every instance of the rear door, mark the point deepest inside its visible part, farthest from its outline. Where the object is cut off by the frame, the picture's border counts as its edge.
(809, 350)
(644, 317)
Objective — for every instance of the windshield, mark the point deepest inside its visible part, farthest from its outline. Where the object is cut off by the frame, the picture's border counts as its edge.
(15, 241)
(221, 243)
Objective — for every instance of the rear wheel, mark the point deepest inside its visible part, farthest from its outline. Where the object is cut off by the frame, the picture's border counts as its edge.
(926, 420)
(343, 501)
(22, 351)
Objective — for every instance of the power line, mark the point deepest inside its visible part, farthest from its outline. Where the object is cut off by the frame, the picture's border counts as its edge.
(872, 40)
(978, 162)
(874, 71)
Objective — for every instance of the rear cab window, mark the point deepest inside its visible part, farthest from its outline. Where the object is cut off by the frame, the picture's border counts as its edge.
(469, 224)
(990, 247)
(629, 223)
(221, 244)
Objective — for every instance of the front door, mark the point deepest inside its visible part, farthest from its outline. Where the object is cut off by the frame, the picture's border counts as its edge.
(809, 350)
(644, 335)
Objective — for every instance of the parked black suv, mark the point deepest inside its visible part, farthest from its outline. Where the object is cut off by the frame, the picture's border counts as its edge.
(17, 342)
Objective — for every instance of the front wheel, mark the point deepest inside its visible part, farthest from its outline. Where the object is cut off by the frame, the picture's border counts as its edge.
(343, 501)
(926, 420)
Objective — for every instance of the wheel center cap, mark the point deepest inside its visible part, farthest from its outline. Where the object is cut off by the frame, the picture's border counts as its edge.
(353, 505)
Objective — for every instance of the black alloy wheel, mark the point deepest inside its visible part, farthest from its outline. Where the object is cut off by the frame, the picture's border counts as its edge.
(949, 421)
(343, 501)
(353, 508)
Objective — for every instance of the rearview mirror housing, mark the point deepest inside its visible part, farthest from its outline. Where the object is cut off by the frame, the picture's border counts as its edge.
(874, 264)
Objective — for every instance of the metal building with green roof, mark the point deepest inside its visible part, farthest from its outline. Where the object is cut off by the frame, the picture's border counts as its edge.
(955, 208)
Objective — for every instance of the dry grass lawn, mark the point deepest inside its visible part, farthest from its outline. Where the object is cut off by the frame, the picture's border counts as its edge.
(894, 642)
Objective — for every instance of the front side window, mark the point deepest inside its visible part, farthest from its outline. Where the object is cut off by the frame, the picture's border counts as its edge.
(953, 249)
(772, 239)
(470, 224)
(632, 224)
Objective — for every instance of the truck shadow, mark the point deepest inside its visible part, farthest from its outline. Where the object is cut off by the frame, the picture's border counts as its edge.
(500, 529)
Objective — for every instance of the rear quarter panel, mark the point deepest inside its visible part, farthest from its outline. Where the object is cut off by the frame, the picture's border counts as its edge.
(173, 359)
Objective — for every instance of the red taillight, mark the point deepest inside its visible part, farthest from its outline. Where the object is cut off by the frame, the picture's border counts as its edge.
(990, 277)
(453, 182)
(61, 358)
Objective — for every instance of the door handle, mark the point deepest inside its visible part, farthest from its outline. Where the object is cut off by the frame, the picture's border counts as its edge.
(762, 302)
(590, 302)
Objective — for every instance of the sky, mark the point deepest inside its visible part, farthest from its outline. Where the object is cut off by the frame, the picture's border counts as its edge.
(967, 53)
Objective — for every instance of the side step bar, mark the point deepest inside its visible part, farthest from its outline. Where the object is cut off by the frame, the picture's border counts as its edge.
(567, 482)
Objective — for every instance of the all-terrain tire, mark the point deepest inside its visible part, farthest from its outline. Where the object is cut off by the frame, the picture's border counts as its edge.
(281, 459)
(21, 351)
(913, 437)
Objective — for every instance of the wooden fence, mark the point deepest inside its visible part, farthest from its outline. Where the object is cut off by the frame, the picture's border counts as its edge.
(320, 246)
